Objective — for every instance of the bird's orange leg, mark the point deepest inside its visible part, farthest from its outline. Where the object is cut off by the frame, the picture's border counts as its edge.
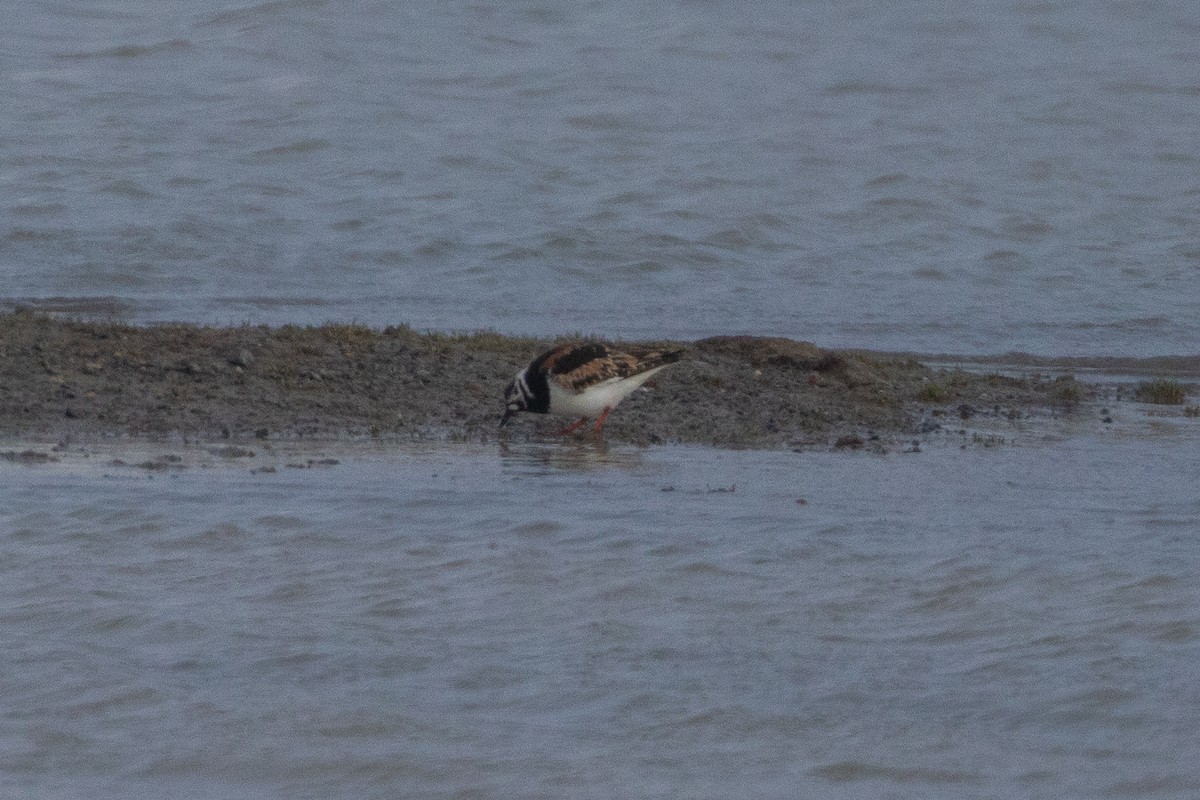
(603, 416)
(572, 427)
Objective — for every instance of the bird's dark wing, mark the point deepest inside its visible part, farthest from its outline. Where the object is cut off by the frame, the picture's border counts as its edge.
(575, 367)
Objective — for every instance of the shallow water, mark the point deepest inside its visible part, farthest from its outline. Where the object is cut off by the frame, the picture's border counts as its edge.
(933, 177)
(557, 621)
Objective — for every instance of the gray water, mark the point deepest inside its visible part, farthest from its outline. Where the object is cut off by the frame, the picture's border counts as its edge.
(585, 622)
(938, 177)
(561, 622)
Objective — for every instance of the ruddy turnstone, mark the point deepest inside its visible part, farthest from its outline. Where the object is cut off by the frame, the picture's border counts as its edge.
(585, 380)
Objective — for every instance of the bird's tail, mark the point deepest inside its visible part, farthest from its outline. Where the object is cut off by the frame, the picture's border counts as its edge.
(652, 358)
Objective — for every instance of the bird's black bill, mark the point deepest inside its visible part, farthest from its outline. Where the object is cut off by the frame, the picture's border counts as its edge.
(507, 416)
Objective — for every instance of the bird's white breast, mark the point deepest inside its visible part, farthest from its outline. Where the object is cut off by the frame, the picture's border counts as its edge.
(593, 400)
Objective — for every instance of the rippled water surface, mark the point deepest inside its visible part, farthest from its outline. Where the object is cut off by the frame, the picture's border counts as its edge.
(938, 177)
(558, 622)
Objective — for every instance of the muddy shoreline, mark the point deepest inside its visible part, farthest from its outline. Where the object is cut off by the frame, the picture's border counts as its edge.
(82, 379)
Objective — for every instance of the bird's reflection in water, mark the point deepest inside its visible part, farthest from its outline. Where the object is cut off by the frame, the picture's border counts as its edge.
(579, 455)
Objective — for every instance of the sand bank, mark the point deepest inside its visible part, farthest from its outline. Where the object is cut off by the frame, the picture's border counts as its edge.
(60, 377)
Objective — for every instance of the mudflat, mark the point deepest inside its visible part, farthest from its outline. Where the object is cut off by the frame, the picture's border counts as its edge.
(63, 377)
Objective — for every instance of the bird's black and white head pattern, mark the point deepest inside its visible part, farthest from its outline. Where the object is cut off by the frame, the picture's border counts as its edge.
(520, 395)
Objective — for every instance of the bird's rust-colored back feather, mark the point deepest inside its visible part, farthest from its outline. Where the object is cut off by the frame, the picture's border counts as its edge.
(575, 367)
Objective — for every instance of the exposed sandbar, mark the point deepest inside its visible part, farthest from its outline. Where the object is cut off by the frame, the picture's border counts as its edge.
(60, 377)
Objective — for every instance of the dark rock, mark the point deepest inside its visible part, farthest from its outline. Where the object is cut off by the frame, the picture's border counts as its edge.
(27, 457)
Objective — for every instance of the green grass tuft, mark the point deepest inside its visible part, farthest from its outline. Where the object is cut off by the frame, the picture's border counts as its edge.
(934, 393)
(1162, 392)
(1066, 390)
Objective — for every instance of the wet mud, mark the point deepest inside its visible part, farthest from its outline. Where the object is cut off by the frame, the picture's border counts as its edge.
(69, 378)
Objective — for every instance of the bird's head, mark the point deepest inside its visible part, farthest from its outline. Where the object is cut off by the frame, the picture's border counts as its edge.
(516, 398)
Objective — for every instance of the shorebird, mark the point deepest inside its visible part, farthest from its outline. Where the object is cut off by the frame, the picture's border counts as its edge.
(585, 380)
